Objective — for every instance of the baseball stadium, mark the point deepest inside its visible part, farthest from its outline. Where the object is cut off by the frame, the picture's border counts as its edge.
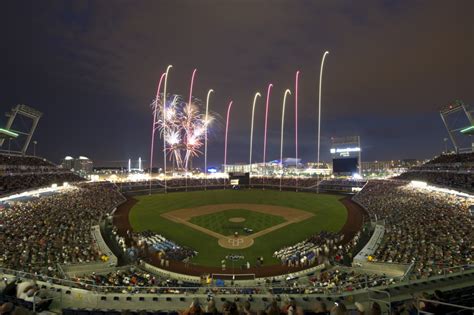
(295, 197)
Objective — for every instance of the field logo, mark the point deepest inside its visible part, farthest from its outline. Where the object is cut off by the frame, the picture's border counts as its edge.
(235, 242)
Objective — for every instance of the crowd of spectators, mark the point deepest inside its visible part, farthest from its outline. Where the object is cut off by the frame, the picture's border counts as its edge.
(431, 229)
(285, 181)
(451, 170)
(277, 306)
(19, 182)
(317, 249)
(464, 181)
(132, 280)
(40, 233)
(19, 173)
(11, 160)
(451, 158)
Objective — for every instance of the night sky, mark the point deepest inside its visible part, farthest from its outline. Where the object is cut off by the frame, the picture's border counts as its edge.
(92, 67)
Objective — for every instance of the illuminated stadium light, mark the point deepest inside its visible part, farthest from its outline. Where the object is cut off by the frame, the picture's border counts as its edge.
(212, 170)
(344, 150)
(418, 184)
(468, 130)
(356, 176)
(8, 133)
(68, 158)
(424, 185)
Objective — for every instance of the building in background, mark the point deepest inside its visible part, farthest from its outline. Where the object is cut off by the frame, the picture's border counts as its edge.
(81, 165)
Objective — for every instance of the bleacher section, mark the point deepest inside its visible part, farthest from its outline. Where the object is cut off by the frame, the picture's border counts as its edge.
(448, 170)
(19, 173)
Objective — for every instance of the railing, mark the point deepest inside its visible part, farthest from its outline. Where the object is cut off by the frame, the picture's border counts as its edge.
(264, 287)
(455, 307)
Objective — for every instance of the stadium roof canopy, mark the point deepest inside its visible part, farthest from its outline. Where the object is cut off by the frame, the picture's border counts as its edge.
(7, 134)
(468, 130)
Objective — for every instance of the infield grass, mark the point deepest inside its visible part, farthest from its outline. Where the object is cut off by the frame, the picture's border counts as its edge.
(329, 215)
(219, 221)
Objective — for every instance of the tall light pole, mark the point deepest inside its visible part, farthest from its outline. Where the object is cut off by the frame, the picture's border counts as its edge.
(251, 136)
(205, 137)
(319, 115)
(265, 135)
(164, 124)
(287, 92)
(153, 129)
(226, 133)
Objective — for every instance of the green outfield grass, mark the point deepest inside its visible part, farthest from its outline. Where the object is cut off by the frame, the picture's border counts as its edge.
(219, 221)
(329, 214)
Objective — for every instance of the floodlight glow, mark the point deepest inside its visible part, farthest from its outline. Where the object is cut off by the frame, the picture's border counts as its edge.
(68, 158)
(212, 170)
(467, 129)
(418, 184)
(344, 150)
(8, 132)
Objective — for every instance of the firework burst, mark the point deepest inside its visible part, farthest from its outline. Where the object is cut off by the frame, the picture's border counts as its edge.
(184, 127)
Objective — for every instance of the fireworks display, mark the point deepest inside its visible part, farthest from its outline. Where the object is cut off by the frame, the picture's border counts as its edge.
(184, 127)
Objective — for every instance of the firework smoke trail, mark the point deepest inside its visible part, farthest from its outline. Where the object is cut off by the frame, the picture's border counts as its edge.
(265, 134)
(189, 133)
(226, 133)
(153, 129)
(206, 124)
(251, 134)
(287, 92)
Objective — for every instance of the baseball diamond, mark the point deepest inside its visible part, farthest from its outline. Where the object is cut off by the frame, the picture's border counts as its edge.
(273, 219)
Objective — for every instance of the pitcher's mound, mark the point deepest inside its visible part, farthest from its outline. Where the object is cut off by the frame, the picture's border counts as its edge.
(233, 242)
(237, 220)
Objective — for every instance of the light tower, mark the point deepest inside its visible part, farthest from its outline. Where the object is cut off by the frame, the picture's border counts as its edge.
(458, 118)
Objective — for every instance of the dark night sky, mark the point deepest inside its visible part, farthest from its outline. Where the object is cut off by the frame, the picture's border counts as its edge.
(92, 68)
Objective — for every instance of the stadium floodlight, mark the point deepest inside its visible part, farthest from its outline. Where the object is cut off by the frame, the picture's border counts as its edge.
(287, 92)
(468, 130)
(319, 108)
(251, 134)
(344, 150)
(8, 133)
(205, 137)
(164, 125)
(418, 184)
